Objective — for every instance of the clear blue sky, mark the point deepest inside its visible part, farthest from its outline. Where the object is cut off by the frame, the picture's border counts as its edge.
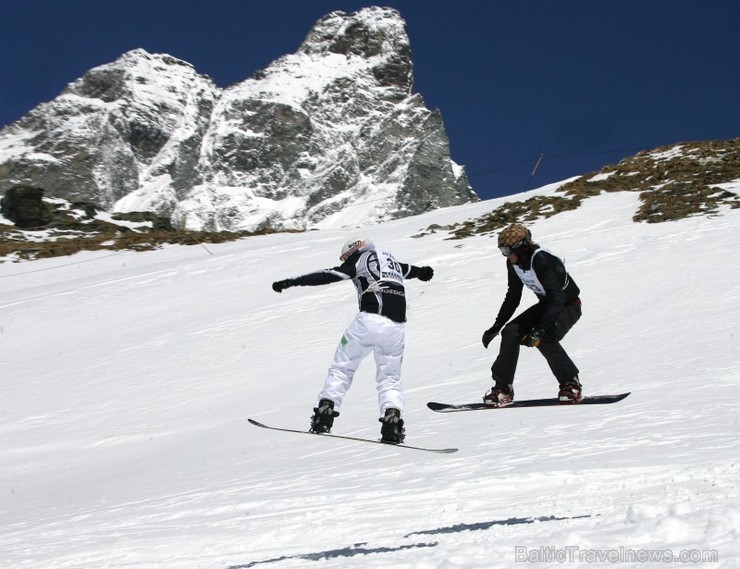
(584, 82)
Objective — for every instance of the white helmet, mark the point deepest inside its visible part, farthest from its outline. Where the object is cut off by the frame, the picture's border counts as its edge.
(353, 246)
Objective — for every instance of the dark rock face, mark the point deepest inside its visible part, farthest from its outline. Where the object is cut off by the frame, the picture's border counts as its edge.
(309, 141)
(24, 206)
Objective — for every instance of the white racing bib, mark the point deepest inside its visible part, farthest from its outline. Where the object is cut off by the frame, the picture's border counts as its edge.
(390, 269)
(529, 278)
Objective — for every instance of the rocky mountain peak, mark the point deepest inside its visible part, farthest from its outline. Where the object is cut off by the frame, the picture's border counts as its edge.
(331, 135)
(377, 34)
(128, 75)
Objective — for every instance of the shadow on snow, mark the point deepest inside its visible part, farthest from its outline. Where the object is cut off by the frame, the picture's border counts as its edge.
(360, 549)
(351, 551)
(486, 525)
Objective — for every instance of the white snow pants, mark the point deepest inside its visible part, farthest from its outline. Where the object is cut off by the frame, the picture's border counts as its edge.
(368, 333)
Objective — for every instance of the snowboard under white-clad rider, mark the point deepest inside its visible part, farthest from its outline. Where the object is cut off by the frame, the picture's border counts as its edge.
(541, 326)
(378, 327)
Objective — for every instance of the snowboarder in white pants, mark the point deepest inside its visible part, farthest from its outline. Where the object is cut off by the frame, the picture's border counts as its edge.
(378, 328)
(368, 333)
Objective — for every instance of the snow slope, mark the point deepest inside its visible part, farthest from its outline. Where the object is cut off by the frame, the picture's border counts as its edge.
(127, 380)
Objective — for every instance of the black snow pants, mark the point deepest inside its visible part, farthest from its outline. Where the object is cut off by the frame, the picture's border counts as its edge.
(563, 368)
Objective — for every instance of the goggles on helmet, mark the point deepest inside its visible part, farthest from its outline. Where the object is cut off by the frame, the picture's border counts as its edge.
(508, 250)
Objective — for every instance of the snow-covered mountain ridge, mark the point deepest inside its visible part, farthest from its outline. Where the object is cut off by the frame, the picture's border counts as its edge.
(674, 182)
(127, 379)
(327, 136)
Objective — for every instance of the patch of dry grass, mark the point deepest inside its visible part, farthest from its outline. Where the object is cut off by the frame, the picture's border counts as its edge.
(674, 182)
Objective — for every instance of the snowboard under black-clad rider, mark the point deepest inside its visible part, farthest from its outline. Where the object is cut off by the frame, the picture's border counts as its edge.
(378, 327)
(541, 326)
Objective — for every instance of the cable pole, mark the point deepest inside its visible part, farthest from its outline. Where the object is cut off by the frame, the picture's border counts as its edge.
(534, 170)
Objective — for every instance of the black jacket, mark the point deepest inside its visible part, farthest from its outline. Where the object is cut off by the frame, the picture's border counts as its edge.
(378, 281)
(560, 288)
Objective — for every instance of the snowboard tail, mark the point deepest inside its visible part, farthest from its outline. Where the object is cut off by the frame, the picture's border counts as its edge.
(554, 402)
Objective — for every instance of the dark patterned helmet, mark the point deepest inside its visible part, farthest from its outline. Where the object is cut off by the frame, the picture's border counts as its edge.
(513, 238)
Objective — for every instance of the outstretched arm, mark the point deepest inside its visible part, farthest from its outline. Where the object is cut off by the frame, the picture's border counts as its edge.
(326, 276)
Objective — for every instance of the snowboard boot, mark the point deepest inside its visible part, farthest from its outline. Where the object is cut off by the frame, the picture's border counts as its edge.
(499, 396)
(323, 417)
(570, 391)
(392, 430)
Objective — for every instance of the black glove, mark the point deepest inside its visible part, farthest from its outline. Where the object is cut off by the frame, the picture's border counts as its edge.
(426, 273)
(533, 337)
(489, 335)
(280, 286)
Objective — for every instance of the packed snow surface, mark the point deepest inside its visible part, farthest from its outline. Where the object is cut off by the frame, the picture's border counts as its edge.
(128, 378)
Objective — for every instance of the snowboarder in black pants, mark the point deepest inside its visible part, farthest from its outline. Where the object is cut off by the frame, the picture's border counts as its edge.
(541, 326)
